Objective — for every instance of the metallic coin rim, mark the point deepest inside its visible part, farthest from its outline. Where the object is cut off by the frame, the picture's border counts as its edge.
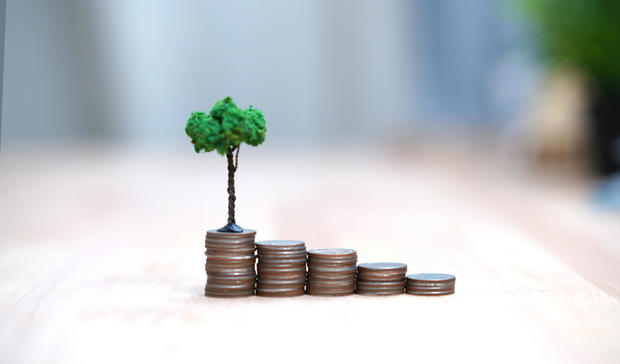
(280, 243)
(225, 233)
(332, 252)
(430, 277)
(388, 266)
(380, 293)
(430, 293)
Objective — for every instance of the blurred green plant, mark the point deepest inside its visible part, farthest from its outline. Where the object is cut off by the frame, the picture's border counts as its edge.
(223, 129)
(580, 33)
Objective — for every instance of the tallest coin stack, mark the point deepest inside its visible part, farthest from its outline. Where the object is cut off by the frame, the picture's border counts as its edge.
(230, 263)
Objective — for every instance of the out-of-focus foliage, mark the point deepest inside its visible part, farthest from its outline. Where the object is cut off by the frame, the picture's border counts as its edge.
(580, 33)
(225, 126)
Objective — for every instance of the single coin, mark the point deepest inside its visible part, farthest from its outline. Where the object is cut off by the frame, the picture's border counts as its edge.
(232, 278)
(282, 255)
(244, 233)
(283, 260)
(431, 277)
(331, 269)
(276, 292)
(330, 283)
(285, 265)
(281, 276)
(283, 281)
(228, 268)
(229, 242)
(381, 279)
(229, 245)
(226, 245)
(332, 252)
(381, 284)
(377, 291)
(330, 258)
(237, 275)
(215, 237)
(230, 259)
(219, 284)
(280, 243)
(262, 251)
(228, 253)
(280, 270)
(380, 293)
(233, 269)
(382, 266)
(237, 293)
(330, 280)
(229, 294)
(280, 286)
(387, 288)
(436, 292)
(233, 295)
(335, 285)
(335, 264)
(231, 272)
(317, 292)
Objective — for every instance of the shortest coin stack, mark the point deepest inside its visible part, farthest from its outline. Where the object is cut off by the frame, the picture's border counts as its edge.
(281, 268)
(331, 272)
(430, 284)
(381, 279)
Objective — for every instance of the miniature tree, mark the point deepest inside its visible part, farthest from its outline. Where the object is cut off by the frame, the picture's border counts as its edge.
(223, 129)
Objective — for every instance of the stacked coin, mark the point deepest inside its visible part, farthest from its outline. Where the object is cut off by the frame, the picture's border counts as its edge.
(381, 279)
(430, 284)
(230, 264)
(281, 268)
(331, 272)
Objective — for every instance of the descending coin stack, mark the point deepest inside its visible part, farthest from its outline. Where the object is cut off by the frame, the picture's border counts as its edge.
(281, 268)
(230, 264)
(381, 279)
(430, 284)
(331, 272)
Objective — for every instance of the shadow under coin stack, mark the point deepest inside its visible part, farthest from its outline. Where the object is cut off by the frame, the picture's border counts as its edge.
(230, 264)
(430, 284)
(331, 272)
(381, 279)
(281, 268)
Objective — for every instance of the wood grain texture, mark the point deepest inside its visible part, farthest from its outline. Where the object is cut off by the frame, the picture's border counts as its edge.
(102, 259)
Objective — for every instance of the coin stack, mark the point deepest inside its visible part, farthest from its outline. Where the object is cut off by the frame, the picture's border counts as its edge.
(331, 272)
(281, 268)
(430, 284)
(381, 279)
(230, 264)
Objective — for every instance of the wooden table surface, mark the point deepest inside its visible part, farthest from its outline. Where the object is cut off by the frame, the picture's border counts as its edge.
(102, 258)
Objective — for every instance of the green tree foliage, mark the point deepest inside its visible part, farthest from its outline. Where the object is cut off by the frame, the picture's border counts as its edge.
(581, 33)
(225, 127)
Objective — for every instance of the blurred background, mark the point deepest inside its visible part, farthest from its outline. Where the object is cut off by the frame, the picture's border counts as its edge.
(526, 87)
(322, 71)
(536, 77)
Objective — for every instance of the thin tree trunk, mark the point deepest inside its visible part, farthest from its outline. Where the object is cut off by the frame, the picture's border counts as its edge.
(231, 186)
(233, 162)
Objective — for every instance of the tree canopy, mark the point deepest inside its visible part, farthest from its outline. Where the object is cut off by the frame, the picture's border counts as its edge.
(585, 34)
(225, 126)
